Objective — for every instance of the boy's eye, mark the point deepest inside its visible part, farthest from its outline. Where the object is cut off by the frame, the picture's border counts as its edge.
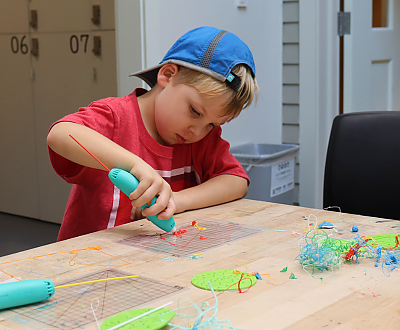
(195, 111)
(198, 114)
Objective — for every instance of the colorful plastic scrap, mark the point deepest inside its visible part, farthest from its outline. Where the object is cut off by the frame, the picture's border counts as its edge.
(368, 247)
(257, 275)
(319, 252)
(326, 225)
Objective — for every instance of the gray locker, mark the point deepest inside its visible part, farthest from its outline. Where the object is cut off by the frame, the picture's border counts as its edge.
(56, 57)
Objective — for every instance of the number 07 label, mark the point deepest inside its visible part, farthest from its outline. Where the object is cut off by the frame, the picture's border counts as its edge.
(282, 177)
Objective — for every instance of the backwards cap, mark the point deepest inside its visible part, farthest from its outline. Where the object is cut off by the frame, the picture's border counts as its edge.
(206, 49)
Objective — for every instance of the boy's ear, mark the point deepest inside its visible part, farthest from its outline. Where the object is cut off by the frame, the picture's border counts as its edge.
(166, 73)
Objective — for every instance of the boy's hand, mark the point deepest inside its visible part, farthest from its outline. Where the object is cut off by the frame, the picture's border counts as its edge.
(152, 184)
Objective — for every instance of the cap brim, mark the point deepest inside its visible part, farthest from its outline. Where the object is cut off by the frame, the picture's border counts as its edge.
(150, 75)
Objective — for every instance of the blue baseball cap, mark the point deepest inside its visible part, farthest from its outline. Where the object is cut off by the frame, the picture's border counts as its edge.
(206, 49)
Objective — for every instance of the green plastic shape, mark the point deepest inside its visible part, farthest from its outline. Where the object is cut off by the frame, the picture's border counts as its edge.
(388, 241)
(222, 280)
(153, 321)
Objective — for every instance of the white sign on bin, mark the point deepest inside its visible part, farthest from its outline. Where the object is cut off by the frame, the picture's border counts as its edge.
(282, 177)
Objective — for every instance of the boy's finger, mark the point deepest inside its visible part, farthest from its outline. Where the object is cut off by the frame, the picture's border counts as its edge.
(153, 210)
(142, 187)
(145, 197)
(158, 207)
(147, 188)
(169, 211)
(166, 214)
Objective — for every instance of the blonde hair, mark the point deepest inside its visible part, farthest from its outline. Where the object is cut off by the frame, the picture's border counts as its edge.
(207, 85)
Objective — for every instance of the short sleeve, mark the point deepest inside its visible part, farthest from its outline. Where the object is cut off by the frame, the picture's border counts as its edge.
(213, 158)
(97, 116)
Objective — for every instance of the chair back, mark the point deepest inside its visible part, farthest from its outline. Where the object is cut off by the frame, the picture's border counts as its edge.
(362, 169)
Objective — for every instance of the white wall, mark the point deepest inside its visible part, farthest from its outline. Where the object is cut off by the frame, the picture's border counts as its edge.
(259, 25)
(129, 34)
(319, 71)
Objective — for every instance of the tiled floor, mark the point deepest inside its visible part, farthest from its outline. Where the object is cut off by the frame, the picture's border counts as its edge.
(20, 233)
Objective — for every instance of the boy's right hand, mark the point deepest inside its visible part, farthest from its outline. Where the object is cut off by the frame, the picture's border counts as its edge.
(152, 184)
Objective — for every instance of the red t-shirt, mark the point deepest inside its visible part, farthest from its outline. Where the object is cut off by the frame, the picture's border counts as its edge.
(94, 202)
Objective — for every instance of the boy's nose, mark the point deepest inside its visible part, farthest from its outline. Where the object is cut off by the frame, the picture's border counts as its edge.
(196, 130)
(192, 129)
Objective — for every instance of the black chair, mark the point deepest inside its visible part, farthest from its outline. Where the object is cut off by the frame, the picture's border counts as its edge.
(362, 169)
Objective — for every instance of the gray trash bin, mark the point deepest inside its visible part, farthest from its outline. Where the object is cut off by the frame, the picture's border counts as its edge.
(270, 168)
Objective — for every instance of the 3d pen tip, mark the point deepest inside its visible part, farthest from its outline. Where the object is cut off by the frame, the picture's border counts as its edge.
(173, 230)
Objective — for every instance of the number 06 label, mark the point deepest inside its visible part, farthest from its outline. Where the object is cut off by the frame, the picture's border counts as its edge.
(282, 177)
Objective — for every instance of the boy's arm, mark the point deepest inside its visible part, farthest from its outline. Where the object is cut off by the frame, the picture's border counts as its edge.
(113, 156)
(220, 189)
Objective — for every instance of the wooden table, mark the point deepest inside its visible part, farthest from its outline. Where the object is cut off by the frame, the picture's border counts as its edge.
(355, 296)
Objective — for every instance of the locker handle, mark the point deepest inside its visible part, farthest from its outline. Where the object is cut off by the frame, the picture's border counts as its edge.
(34, 19)
(97, 45)
(35, 47)
(96, 14)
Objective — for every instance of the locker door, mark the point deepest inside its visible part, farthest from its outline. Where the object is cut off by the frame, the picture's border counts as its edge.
(62, 84)
(62, 15)
(18, 168)
(68, 75)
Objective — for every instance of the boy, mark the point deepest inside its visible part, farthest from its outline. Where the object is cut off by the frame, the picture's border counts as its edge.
(169, 138)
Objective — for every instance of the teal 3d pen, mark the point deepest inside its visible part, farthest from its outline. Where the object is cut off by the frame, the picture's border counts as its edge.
(20, 293)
